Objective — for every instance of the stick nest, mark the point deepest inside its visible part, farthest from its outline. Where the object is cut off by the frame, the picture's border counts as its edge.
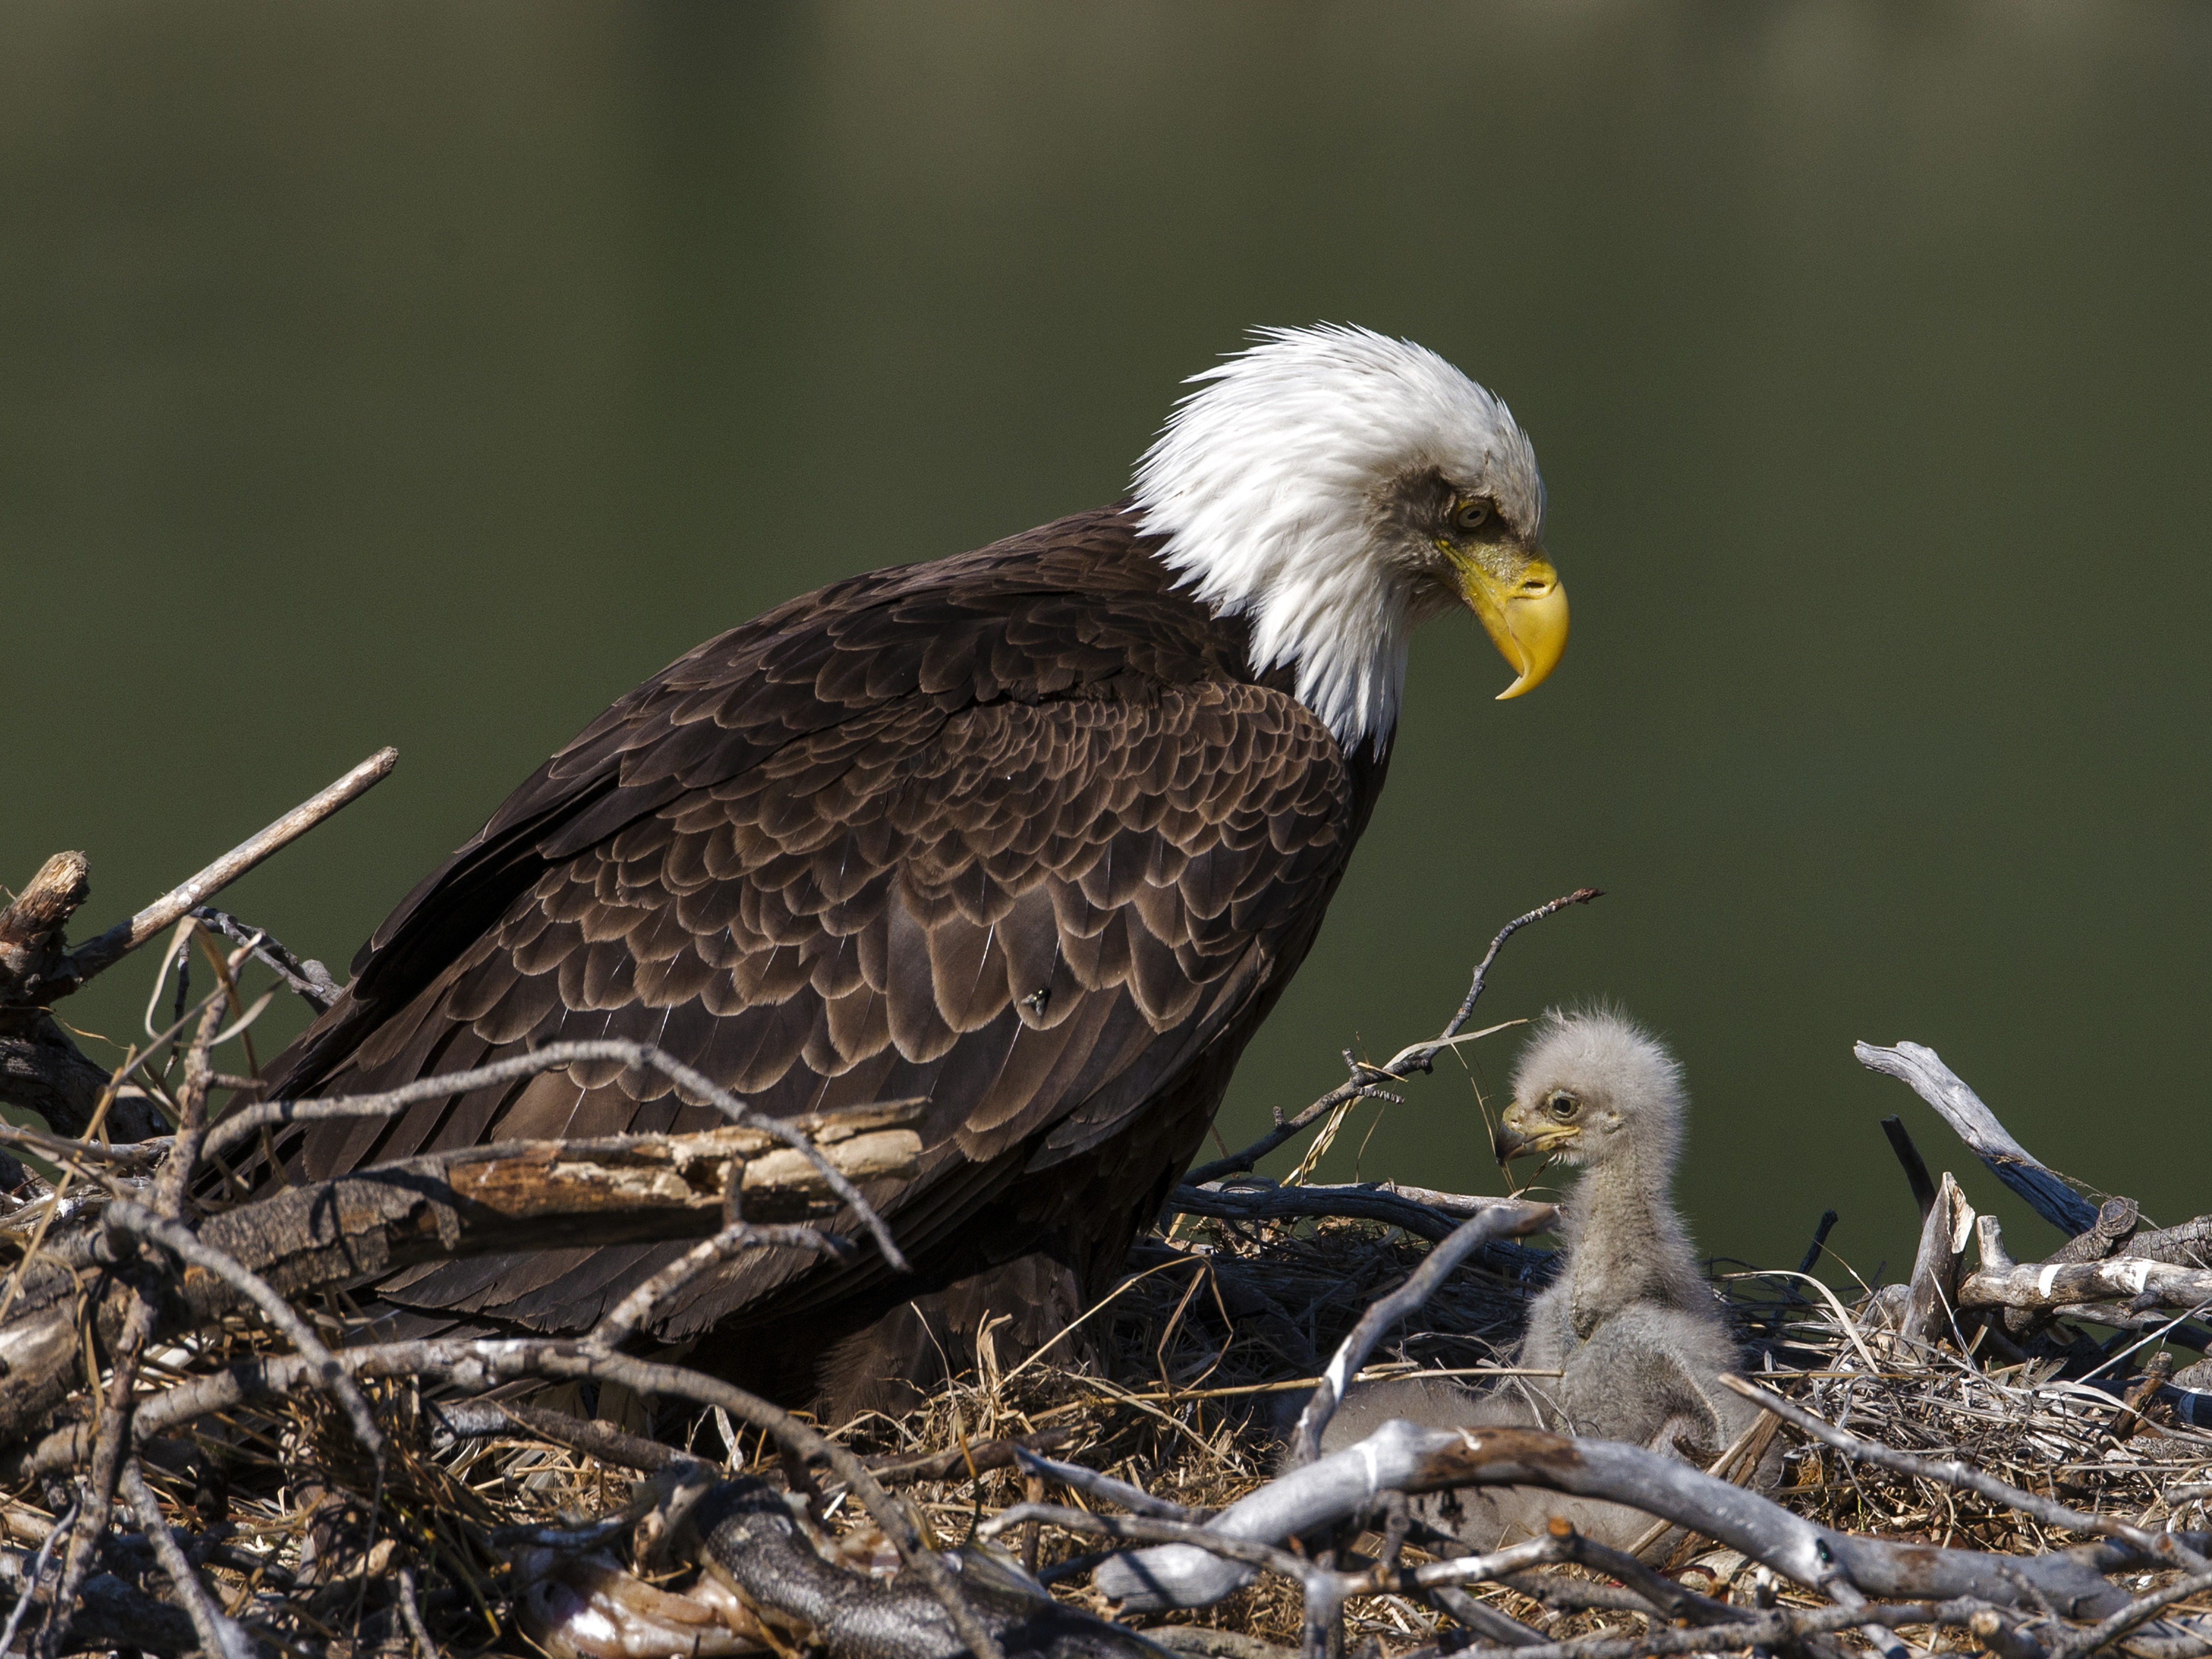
(288, 1521)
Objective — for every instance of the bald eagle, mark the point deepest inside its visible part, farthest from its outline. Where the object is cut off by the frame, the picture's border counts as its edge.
(1037, 834)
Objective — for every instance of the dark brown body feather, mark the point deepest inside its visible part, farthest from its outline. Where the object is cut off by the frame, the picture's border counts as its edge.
(1019, 832)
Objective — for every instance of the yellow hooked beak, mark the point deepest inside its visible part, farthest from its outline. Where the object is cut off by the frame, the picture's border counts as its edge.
(1527, 619)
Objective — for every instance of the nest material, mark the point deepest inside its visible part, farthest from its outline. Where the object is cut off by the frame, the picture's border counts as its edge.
(1208, 1340)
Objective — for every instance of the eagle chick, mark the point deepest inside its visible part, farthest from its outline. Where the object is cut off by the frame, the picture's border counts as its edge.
(1628, 1322)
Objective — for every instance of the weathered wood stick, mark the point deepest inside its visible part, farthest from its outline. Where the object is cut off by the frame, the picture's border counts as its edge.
(1934, 1291)
(166, 911)
(475, 1201)
(29, 926)
(2044, 1188)
(1401, 1456)
(2063, 1285)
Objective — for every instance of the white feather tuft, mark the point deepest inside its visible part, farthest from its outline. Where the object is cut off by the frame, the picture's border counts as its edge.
(1266, 482)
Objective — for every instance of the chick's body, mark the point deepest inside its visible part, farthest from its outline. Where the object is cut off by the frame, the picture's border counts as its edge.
(1629, 1322)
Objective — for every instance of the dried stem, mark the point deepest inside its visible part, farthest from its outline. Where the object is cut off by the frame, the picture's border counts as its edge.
(1365, 1079)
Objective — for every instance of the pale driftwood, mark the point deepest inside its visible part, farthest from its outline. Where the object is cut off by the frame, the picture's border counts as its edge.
(2048, 1286)
(2045, 1190)
(1401, 1457)
(1502, 1221)
(1933, 1292)
(474, 1201)
(1326, 1588)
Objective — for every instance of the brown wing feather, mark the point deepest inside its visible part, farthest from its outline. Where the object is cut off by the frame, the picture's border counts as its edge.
(1017, 834)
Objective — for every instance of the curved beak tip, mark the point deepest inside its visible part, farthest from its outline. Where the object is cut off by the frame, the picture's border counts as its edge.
(1538, 628)
(1528, 622)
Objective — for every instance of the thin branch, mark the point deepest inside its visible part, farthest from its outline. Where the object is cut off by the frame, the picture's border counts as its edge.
(411, 1611)
(309, 979)
(1965, 1478)
(64, 1523)
(172, 905)
(221, 1636)
(182, 1243)
(1775, 1629)
(1506, 1220)
(1366, 1201)
(1092, 1484)
(617, 1324)
(2129, 1616)
(1365, 1078)
(1580, 896)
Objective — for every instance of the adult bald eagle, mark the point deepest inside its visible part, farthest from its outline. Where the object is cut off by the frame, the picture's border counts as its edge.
(1038, 833)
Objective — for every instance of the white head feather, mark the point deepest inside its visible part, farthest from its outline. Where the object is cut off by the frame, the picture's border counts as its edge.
(1272, 486)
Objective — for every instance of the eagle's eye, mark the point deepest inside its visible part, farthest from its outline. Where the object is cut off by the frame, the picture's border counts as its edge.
(1563, 1106)
(1472, 515)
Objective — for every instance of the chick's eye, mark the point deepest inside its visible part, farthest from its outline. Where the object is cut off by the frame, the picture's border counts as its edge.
(1562, 1107)
(1472, 515)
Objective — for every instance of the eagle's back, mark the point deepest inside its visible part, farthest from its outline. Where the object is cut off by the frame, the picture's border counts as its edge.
(1016, 832)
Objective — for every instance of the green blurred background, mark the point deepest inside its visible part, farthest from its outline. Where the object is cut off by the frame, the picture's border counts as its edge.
(351, 356)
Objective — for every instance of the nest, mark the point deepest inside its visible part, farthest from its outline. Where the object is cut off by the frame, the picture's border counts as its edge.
(318, 1548)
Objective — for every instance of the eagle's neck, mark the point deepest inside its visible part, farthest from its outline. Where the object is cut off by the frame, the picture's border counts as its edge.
(1318, 604)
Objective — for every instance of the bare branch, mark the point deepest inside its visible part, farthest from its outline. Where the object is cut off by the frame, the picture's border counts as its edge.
(482, 1364)
(1093, 1484)
(1505, 1220)
(309, 979)
(1419, 1057)
(240, 1124)
(1382, 1201)
(182, 1243)
(221, 1638)
(2045, 1188)
(2052, 1285)
(444, 1206)
(60, 1529)
(1966, 1478)
(616, 1326)
(2129, 1616)
(1403, 1457)
(125, 937)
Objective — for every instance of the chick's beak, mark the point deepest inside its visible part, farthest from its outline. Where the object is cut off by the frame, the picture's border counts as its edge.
(1526, 618)
(1517, 1137)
